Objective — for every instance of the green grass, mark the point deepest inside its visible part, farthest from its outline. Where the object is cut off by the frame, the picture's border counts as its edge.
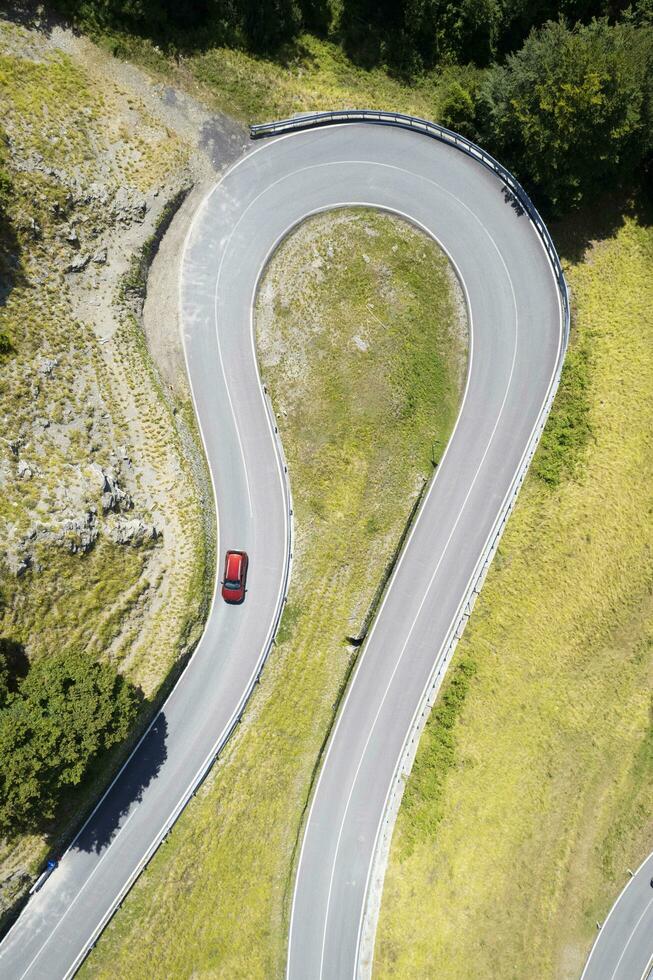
(51, 108)
(314, 74)
(530, 799)
(53, 112)
(568, 430)
(122, 604)
(357, 426)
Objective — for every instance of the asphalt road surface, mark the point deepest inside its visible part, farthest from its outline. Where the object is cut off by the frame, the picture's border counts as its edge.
(517, 335)
(624, 947)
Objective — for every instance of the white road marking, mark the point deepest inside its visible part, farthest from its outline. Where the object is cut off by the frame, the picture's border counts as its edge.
(611, 913)
(413, 624)
(182, 801)
(628, 941)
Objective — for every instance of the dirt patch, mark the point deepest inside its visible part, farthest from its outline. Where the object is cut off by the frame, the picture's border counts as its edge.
(160, 312)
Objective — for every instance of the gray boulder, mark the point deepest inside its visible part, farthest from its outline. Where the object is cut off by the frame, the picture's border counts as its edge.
(135, 531)
(79, 263)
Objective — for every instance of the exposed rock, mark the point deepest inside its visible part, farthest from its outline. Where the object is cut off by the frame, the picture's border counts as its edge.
(46, 365)
(113, 496)
(126, 209)
(96, 192)
(100, 256)
(24, 470)
(78, 534)
(72, 236)
(98, 475)
(135, 531)
(24, 565)
(79, 263)
(122, 454)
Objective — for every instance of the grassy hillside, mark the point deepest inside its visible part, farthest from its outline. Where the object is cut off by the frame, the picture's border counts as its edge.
(530, 795)
(103, 549)
(362, 348)
(316, 75)
(531, 791)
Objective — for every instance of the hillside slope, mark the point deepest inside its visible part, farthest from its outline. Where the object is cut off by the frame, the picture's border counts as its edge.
(106, 508)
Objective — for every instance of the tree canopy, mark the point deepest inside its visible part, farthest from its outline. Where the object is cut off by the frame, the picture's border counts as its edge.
(571, 111)
(64, 712)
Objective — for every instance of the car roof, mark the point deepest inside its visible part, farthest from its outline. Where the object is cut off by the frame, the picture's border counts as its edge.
(234, 562)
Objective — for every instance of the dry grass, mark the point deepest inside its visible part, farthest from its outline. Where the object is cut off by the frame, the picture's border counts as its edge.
(214, 900)
(140, 607)
(503, 861)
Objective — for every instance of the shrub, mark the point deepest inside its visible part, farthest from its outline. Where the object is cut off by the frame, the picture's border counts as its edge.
(458, 108)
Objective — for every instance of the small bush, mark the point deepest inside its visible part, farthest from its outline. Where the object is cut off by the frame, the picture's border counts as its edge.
(437, 753)
(458, 108)
(5, 346)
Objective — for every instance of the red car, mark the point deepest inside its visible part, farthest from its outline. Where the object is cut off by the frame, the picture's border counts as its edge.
(235, 575)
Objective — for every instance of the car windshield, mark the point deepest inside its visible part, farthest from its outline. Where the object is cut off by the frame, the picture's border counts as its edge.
(231, 585)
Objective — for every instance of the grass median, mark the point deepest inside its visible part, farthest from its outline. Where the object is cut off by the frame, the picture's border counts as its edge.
(362, 343)
(531, 791)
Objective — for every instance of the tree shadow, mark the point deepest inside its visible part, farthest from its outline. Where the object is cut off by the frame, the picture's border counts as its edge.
(575, 232)
(127, 789)
(15, 660)
(31, 14)
(512, 201)
(184, 29)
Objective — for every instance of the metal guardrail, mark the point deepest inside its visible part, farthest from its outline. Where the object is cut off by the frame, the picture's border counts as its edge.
(309, 121)
(314, 120)
(367, 927)
(210, 760)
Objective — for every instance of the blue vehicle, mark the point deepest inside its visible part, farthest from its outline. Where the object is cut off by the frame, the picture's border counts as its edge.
(43, 877)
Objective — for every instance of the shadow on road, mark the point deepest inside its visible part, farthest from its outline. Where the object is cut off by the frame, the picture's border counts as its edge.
(128, 789)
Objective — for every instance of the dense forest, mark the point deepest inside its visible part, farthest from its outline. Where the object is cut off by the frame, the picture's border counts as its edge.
(559, 90)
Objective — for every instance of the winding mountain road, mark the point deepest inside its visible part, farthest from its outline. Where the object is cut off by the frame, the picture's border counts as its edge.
(517, 345)
(624, 946)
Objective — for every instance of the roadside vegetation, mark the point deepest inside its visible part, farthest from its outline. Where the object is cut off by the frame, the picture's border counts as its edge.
(530, 794)
(361, 336)
(560, 92)
(104, 562)
(531, 791)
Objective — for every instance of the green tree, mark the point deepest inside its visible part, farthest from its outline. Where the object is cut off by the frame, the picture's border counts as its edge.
(457, 107)
(570, 112)
(66, 711)
(268, 25)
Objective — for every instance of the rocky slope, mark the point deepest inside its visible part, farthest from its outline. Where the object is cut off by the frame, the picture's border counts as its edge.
(105, 505)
